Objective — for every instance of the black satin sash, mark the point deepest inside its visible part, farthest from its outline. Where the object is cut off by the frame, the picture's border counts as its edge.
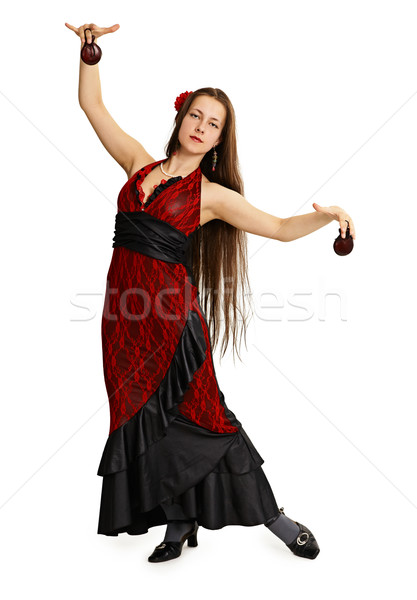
(141, 232)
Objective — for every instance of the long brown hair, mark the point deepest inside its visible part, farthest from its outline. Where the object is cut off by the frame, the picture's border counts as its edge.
(219, 250)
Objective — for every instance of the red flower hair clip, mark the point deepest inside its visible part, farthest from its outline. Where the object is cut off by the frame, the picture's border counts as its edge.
(179, 101)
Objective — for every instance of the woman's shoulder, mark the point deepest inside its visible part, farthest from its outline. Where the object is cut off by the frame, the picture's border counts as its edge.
(213, 190)
(213, 197)
(140, 161)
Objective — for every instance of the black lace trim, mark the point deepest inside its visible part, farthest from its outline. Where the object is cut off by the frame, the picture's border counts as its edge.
(159, 188)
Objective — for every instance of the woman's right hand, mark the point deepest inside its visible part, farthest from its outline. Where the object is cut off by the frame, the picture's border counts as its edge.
(97, 31)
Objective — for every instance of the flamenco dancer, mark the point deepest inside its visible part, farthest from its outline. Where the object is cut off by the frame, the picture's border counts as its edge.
(176, 455)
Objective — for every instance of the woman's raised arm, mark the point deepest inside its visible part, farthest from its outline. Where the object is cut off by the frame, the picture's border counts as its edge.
(122, 147)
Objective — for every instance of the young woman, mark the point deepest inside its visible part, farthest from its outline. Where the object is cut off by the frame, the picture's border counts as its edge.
(176, 454)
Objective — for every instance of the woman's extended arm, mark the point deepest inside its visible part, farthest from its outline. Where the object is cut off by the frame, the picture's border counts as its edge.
(232, 207)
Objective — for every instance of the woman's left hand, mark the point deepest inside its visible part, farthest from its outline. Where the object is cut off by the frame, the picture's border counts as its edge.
(340, 215)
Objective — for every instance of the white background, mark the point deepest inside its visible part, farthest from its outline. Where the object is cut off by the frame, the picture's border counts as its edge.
(325, 95)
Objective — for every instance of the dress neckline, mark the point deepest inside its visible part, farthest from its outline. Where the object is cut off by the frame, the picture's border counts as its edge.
(141, 174)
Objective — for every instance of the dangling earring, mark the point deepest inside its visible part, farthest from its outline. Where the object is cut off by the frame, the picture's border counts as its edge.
(214, 158)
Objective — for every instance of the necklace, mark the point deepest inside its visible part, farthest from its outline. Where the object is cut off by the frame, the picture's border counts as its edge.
(168, 174)
(165, 173)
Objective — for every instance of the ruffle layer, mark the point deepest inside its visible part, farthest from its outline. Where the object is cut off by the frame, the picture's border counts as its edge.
(150, 423)
(185, 468)
(161, 456)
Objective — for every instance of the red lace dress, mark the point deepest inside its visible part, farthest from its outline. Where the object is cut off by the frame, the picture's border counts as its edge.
(172, 437)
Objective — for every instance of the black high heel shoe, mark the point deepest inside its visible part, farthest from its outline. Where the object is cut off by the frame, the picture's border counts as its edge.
(169, 550)
(305, 544)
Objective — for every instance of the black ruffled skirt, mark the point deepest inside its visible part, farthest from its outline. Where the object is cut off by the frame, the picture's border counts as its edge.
(160, 456)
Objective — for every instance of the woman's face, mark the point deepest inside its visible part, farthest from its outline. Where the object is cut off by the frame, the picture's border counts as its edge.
(205, 120)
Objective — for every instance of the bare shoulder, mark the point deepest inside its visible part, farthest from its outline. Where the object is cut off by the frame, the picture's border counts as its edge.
(141, 159)
(219, 202)
(213, 196)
